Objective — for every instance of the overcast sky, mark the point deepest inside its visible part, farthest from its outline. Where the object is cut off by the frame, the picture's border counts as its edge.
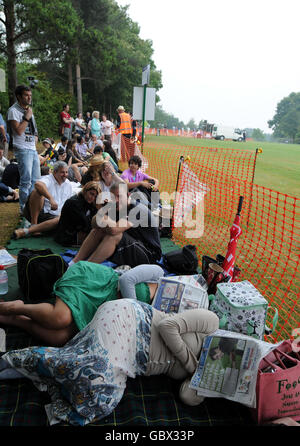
(227, 61)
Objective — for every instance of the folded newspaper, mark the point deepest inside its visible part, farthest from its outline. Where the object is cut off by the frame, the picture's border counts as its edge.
(6, 258)
(175, 294)
(228, 366)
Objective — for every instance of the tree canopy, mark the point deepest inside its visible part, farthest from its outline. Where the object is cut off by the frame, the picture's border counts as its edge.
(73, 45)
(286, 121)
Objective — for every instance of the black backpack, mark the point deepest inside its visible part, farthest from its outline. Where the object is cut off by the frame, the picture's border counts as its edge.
(38, 270)
(182, 261)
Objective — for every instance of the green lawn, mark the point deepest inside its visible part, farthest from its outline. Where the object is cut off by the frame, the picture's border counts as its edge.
(277, 167)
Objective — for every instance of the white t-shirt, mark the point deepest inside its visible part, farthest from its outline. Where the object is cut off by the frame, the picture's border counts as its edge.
(4, 162)
(106, 127)
(79, 121)
(27, 139)
(59, 192)
(59, 146)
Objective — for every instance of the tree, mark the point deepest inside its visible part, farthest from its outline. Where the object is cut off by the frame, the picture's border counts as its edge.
(163, 118)
(192, 124)
(286, 121)
(93, 43)
(57, 26)
(258, 135)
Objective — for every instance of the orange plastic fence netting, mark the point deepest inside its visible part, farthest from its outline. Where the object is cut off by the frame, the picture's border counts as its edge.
(268, 250)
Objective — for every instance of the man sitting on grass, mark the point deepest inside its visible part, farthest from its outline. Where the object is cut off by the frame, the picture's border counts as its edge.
(45, 202)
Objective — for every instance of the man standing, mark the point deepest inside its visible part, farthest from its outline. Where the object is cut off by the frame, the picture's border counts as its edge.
(24, 133)
(124, 122)
(66, 122)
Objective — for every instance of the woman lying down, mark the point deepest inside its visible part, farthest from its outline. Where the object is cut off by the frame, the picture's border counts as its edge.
(86, 378)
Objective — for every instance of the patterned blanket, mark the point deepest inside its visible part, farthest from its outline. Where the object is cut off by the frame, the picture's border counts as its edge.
(147, 401)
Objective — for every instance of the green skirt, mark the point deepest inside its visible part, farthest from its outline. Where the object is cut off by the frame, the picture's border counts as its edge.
(86, 285)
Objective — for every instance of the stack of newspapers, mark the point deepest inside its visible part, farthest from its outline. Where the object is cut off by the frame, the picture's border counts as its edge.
(175, 294)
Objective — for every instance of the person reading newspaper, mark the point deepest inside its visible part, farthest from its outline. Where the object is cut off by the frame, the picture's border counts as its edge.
(228, 367)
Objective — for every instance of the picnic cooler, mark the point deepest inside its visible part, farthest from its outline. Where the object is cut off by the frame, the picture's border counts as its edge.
(278, 385)
(241, 308)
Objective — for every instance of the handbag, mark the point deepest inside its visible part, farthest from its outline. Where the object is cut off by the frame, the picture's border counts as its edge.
(278, 385)
(241, 308)
(182, 261)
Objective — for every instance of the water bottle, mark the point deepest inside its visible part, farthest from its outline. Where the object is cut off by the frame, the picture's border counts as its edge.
(3, 280)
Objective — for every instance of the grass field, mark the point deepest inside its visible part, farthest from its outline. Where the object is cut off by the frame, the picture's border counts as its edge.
(277, 167)
(267, 259)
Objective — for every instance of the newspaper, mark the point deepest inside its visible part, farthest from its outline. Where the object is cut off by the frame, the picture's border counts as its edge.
(175, 294)
(7, 259)
(228, 366)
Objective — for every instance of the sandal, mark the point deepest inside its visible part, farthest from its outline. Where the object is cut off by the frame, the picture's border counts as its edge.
(20, 233)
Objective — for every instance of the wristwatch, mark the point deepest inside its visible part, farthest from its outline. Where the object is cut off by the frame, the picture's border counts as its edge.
(25, 119)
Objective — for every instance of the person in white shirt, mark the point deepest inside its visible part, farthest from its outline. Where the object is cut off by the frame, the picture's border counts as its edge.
(24, 136)
(80, 126)
(45, 202)
(106, 127)
(62, 144)
(95, 141)
(3, 162)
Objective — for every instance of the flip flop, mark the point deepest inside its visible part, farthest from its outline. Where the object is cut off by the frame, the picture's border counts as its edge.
(20, 233)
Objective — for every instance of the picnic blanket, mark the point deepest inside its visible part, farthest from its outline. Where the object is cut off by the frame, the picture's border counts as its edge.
(147, 401)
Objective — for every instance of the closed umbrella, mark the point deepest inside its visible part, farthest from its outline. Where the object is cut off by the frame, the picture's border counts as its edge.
(235, 232)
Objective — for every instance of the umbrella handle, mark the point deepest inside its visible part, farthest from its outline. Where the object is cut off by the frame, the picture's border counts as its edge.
(240, 205)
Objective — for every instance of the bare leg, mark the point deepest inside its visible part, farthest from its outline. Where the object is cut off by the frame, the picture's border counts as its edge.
(106, 248)
(36, 203)
(40, 227)
(76, 173)
(88, 245)
(54, 317)
(55, 338)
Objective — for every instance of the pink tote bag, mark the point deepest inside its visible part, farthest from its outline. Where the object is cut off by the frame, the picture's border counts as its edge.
(278, 385)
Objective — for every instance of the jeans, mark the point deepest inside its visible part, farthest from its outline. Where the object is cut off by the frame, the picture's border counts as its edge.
(4, 191)
(30, 172)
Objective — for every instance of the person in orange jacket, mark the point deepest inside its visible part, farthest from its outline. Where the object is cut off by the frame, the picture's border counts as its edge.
(124, 122)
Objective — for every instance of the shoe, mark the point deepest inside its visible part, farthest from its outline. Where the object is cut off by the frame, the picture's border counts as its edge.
(20, 233)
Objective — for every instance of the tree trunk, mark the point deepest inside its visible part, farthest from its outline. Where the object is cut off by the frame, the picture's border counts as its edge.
(70, 79)
(9, 12)
(79, 89)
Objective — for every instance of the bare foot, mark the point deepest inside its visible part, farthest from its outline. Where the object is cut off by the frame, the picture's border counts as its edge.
(12, 307)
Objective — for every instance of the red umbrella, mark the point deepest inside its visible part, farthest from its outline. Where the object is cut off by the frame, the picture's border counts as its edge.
(235, 232)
